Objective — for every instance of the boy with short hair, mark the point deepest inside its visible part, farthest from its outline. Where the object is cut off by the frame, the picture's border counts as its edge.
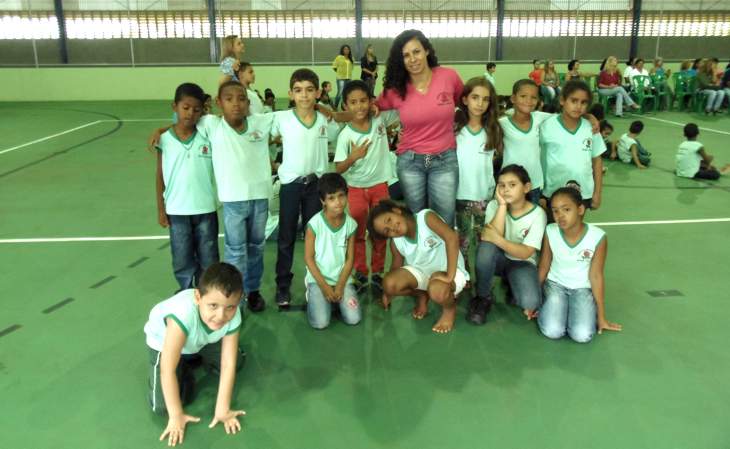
(489, 74)
(186, 328)
(692, 159)
(363, 158)
(630, 150)
(247, 77)
(305, 133)
(186, 189)
(606, 130)
(328, 253)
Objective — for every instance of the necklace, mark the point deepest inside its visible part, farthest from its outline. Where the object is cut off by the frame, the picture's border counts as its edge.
(424, 87)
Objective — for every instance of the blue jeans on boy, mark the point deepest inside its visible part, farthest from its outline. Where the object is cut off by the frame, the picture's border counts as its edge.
(244, 223)
(194, 245)
(565, 310)
(521, 275)
(319, 310)
(430, 180)
(294, 198)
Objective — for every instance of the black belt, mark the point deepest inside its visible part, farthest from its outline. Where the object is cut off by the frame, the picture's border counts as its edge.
(306, 179)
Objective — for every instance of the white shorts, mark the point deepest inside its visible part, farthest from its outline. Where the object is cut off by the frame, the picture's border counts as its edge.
(423, 278)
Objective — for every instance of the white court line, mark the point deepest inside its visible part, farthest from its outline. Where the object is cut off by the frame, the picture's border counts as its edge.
(169, 119)
(166, 237)
(682, 124)
(42, 139)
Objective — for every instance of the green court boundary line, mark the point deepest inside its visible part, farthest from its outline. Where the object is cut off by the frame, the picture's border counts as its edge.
(167, 237)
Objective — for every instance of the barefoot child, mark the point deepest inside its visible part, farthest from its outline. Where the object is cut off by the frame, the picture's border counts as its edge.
(478, 139)
(362, 157)
(186, 189)
(328, 253)
(510, 240)
(571, 272)
(195, 324)
(426, 262)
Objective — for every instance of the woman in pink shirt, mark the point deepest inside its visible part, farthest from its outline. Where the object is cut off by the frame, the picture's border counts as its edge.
(609, 85)
(425, 96)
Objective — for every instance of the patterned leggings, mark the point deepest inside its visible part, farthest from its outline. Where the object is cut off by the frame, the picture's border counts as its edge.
(469, 218)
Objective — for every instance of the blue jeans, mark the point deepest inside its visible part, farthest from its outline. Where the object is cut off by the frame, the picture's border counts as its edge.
(295, 198)
(430, 180)
(521, 275)
(245, 236)
(565, 310)
(319, 309)
(194, 245)
(621, 97)
(340, 88)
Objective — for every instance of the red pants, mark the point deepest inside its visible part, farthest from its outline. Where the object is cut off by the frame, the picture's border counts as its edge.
(360, 201)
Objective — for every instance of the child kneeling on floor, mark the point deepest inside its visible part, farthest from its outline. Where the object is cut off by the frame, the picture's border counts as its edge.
(426, 261)
(329, 253)
(571, 272)
(194, 326)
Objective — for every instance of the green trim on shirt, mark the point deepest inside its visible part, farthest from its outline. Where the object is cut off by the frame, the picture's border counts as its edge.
(580, 123)
(478, 132)
(603, 237)
(179, 323)
(520, 129)
(585, 231)
(370, 128)
(245, 127)
(233, 331)
(521, 216)
(184, 142)
(300, 120)
(415, 239)
(324, 219)
(205, 326)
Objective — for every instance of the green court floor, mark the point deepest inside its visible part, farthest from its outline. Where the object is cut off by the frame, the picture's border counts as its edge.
(73, 370)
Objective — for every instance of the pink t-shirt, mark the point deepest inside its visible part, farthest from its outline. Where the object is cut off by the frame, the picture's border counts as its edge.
(427, 119)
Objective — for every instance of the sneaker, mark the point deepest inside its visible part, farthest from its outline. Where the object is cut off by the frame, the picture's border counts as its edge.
(376, 280)
(256, 302)
(283, 298)
(477, 310)
(361, 281)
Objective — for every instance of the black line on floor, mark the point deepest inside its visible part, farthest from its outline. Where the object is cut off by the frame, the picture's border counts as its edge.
(10, 329)
(58, 305)
(103, 281)
(164, 245)
(66, 150)
(294, 308)
(137, 262)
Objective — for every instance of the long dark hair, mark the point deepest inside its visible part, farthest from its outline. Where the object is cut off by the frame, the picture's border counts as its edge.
(489, 119)
(349, 54)
(383, 207)
(396, 75)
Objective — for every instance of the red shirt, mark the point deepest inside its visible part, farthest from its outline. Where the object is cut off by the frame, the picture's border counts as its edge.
(428, 118)
(536, 76)
(609, 79)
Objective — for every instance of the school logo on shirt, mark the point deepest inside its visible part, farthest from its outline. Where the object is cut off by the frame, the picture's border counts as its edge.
(204, 151)
(587, 144)
(586, 255)
(431, 243)
(255, 136)
(443, 99)
(525, 232)
(381, 130)
(323, 132)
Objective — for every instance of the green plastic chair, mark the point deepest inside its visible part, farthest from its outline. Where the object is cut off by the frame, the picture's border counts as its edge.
(641, 94)
(699, 98)
(561, 77)
(681, 85)
(661, 90)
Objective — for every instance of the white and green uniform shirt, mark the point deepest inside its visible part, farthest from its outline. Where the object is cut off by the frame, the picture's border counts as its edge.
(241, 159)
(624, 148)
(476, 172)
(330, 247)
(527, 229)
(374, 168)
(184, 311)
(427, 252)
(568, 156)
(689, 158)
(255, 105)
(393, 158)
(571, 265)
(304, 147)
(187, 170)
(523, 147)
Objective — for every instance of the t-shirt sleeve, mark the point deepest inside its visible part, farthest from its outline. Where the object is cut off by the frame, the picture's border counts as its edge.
(599, 146)
(263, 122)
(491, 211)
(351, 226)
(390, 117)
(227, 66)
(333, 130)
(533, 238)
(386, 100)
(235, 324)
(206, 123)
(343, 147)
(539, 117)
(276, 122)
